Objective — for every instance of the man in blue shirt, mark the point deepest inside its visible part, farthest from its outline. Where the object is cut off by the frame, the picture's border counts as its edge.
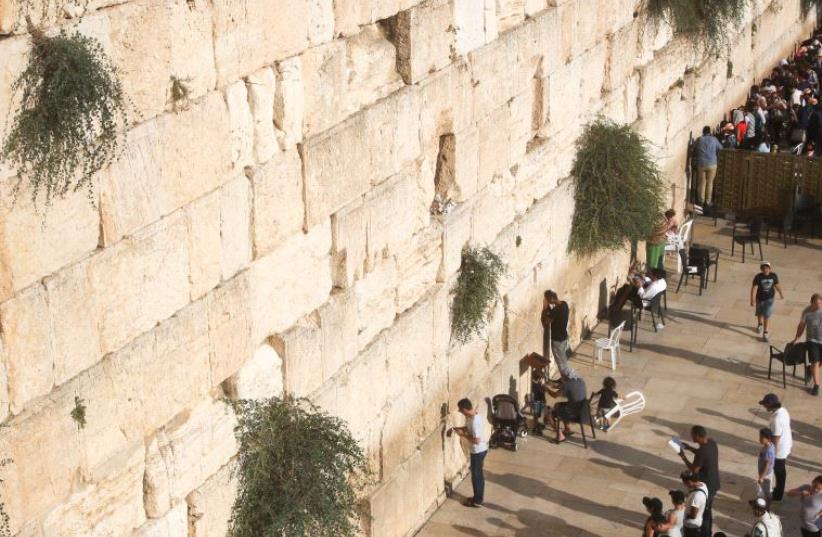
(706, 158)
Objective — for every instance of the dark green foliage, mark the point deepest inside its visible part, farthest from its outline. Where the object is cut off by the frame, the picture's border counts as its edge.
(619, 190)
(475, 291)
(71, 111)
(180, 93)
(708, 24)
(300, 472)
(518, 241)
(78, 413)
(810, 5)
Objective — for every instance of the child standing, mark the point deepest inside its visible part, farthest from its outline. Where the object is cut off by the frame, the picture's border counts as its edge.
(537, 397)
(607, 401)
(763, 295)
(765, 462)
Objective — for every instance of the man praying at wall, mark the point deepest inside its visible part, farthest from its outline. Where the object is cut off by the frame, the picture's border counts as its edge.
(555, 319)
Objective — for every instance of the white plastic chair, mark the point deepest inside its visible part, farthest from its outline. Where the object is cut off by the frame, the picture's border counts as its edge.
(682, 238)
(609, 344)
(634, 403)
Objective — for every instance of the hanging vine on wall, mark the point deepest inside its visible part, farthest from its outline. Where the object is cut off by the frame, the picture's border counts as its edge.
(69, 121)
(706, 24)
(475, 291)
(619, 191)
(300, 471)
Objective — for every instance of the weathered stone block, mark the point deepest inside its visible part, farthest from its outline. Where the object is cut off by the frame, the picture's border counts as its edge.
(510, 13)
(8, 16)
(210, 505)
(235, 226)
(494, 141)
(140, 281)
(456, 234)
(424, 39)
(290, 282)
(320, 21)
(348, 233)
(301, 348)
(173, 524)
(204, 245)
(241, 125)
(278, 207)
(260, 378)
(349, 15)
(419, 263)
(249, 34)
(230, 327)
(493, 74)
(360, 399)
(289, 102)
(376, 300)
(167, 163)
(338, 321)
(186, 452)
(469, 25)
(261, 87)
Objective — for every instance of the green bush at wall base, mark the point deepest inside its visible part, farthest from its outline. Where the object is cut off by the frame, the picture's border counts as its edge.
(299, 470)
(618, 189)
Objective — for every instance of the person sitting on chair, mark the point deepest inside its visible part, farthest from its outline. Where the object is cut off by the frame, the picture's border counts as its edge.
(573, 388)
(648, 288)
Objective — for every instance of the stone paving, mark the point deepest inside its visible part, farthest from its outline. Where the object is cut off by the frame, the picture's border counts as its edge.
(706, 367)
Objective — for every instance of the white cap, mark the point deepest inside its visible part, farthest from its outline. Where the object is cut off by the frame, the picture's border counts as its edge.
(760, 502)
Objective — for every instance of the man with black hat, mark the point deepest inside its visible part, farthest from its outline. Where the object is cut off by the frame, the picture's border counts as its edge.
(767, 524)
(694, 505)
(706, 467)
(780, 426)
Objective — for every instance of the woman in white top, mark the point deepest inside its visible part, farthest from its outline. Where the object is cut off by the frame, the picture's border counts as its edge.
(672, 527)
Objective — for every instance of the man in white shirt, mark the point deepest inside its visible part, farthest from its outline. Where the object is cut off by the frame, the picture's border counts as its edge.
(767, 524)
(478, 449)
(648, 288)
(780, 425)
(694, 504)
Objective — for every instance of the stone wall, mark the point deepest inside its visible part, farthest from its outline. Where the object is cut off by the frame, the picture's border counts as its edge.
(276, 234)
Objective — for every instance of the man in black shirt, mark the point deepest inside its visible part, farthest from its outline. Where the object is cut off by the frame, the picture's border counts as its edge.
(555, 319)
(763, 292)
(706, 467)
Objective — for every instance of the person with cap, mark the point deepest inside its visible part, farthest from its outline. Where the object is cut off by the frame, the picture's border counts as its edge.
(780, 426)
(706, 466)
(763, 295)
(672, 527)
(655, 517)
(810, 498)
(478, 449)
(764, 464)
(766, 524)
(694, 504)
(811, 324)
(706, 159)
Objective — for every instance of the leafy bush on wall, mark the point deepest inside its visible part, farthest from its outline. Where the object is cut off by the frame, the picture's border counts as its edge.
(708, 24)
(475, 291)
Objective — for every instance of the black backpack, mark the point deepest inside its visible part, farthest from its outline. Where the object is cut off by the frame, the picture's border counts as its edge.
(795, 353)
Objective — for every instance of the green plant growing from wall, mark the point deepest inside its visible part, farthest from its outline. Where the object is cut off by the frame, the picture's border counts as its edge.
(78, 413)
(704, 23)
(300, 472)
(475, 291)
(619, 191)
(5, 521)
(180, 93)
(71, 112)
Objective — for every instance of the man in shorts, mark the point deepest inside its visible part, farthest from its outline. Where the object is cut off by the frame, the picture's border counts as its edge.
(811, 323)
(763, 295)
(574, 390)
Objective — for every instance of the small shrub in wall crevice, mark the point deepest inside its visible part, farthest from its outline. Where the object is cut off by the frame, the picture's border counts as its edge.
(706, 24)
(618, 189)
(78, 413)
(70, 117)
(300, 472)
(475, 292)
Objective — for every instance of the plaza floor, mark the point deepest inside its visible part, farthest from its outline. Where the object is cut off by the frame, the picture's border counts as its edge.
(706, 367)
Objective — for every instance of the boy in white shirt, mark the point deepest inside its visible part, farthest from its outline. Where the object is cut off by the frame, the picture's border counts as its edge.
(694, 504)
(780, 426)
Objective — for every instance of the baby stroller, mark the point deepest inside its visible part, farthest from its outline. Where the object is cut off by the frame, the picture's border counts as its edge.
(507, 422)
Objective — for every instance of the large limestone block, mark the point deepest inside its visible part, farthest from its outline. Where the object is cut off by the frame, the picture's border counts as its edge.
(403, 424)
(320, 21)
(409, 350)
(360, 396)
(301, 348)
(8, 16)
(456, 228)
(338, 321)
(376, 300)
(210, 505)
(509, 13)
(522, 310)
(494, 209)
(563, 87)
(444, 108)
(261, 87)
(173, 524)
(348, 246)
(349, 15)
(167, 163)
(241, 125)
(230, 325)
(4, 385)
(362, 151)
(621, 57)
(29, 354)
(204, 248)
(344, 76)
(235, 222)
(419, 264)
(289, 102)
(140, 281)
(260, 378)
(184, 453)
(290, 282)
(424, 38)
(249, 34)
(149, 42)
(278, 202)
(469, 25)
(493, 74)
(110, 505)
(36, 241)
(494, 145)
(144, 385)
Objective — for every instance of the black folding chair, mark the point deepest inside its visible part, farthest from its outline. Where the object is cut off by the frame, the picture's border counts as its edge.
(583, 414)
(793, 354)
(694, 264)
